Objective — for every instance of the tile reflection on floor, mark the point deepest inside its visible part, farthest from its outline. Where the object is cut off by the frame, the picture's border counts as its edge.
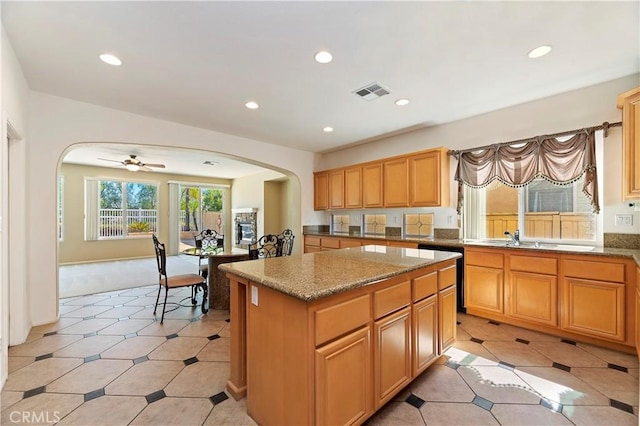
(109, 361)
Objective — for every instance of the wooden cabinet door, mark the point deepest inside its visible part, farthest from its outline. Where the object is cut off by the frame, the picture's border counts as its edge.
(353, 188)
(447, 316)
(343, 380)
(336, 189)
(638, 319)
(321, 191)
(593, 308)
(484, 288)
(372, 185)
(396, 183)
(425, 333)
(392, 356)
(629, 102)
(427, 184)
(534, 297)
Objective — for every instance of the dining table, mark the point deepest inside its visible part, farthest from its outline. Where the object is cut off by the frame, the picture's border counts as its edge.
(217, 280)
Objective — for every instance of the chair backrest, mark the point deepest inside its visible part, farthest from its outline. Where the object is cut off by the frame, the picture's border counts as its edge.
(161, 256)
(285, 239)
(209, 239)
(267, 246)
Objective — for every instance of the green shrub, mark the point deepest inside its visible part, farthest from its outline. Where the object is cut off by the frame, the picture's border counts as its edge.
(139, 227)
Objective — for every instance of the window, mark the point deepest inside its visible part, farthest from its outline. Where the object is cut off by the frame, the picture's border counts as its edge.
(541, 210)
(60, 207)
(126, 209)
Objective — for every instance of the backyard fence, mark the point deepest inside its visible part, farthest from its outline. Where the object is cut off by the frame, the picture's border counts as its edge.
(139, 221)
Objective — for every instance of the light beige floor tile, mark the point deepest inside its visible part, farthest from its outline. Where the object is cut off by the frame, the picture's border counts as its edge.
(599, 416)
(202, 379)
(560, 386)
(120, 312)
(147, 301)
(566, 354)
(461, 334)
(175, 411)
(530, 335)
(65, 309)
(87, 311)
(527, 415)
(498, 385)
(216, 350)
(488, 331)
(8, 398)
(42, 409)
(202, 328)
(134, 347)
(518, 354)
(17, 362)
(146, 313)
(466, 352)
(169, 326)
(87, 300)
(611, 356)
(226, 331)
(88, 326)
(125, 327)
(216, 315)
(40, 373)
(634, 372)
(459, 414)
(139, 291)
(114, 410)
(442, 384)
(230, 413)
(44, 345)
(88, 346)
(613, 384)
(54, 326)
(187, 313)
(116, 300)
(145, 378)
(90, 376)
(397, 413)
(179, 348)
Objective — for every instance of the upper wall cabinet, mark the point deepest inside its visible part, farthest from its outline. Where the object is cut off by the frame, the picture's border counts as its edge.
(417, 180)
(321, 190)
(429, 179)
(629, 102)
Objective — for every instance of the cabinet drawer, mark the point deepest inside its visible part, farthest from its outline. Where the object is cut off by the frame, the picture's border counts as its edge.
(601, 271)
(541, 265)
(425, 286)
(391, 299)
(339, 319)
(350, 243)
(447, 276)
(488, 259)
(330, 243)
(312, 241)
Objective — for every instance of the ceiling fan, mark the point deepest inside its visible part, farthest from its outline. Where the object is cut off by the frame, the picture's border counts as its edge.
(133, 164)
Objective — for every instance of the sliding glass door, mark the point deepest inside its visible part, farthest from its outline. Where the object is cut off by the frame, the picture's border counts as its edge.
(200, 208)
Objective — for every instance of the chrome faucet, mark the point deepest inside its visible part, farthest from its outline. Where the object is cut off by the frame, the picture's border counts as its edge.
(515, 239)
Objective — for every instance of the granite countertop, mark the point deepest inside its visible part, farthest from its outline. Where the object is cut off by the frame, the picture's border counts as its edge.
(548, 247)
(312, 276)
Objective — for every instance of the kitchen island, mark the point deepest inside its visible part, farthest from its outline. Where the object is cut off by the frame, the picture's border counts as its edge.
(330, 337)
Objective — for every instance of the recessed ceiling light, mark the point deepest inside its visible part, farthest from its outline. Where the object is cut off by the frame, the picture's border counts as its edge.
(328, 129)
(402, 102)
(323, 57)
(252, 105)
(539, 51)
(110, 59)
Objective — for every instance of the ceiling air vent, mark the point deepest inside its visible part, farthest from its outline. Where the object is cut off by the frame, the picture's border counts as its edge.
(371, 92)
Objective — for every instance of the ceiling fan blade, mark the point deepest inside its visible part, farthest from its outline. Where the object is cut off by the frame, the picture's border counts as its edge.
(144, 168)
(160, 166)
(106, 159)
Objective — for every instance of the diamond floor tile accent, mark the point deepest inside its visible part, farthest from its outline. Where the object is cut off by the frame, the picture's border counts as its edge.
(218, 398)
(415, 401)
(482, 403)
(155, 396)
(93, 394)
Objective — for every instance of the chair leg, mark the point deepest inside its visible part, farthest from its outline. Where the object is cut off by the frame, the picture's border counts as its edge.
(157, 299)
(194, 293)
(205, 298)
(164, 308)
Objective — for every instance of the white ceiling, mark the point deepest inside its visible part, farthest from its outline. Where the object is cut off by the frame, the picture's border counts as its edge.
(197, 63)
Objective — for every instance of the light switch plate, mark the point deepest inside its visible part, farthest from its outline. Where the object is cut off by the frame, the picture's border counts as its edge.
(254, 295)
(624, 220)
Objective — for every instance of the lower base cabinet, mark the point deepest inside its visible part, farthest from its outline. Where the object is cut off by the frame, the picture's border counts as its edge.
(534, 297)
(447, 317)
(425, 333)
(343, 380)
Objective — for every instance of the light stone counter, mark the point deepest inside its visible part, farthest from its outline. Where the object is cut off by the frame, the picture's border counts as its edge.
(312, 276)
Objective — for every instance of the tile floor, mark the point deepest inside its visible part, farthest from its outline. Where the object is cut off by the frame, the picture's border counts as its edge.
(108, 361)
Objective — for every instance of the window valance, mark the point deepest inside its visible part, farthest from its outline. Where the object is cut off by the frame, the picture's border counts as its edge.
(560, 162)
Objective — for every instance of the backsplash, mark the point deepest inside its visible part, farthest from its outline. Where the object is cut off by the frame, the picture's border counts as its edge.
(625, 241)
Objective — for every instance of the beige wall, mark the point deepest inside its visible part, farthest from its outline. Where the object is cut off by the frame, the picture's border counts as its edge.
(273, 207)
(74, 249)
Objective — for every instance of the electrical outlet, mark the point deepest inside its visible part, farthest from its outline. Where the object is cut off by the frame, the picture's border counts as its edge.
(624, 220)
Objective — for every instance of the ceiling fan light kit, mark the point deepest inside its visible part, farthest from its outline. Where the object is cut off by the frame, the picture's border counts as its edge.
(133, 164)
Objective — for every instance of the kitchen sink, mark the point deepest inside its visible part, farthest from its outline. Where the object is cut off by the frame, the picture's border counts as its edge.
(530, 245)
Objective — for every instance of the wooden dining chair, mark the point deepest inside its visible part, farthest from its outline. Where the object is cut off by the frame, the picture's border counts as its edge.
(176, 281)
